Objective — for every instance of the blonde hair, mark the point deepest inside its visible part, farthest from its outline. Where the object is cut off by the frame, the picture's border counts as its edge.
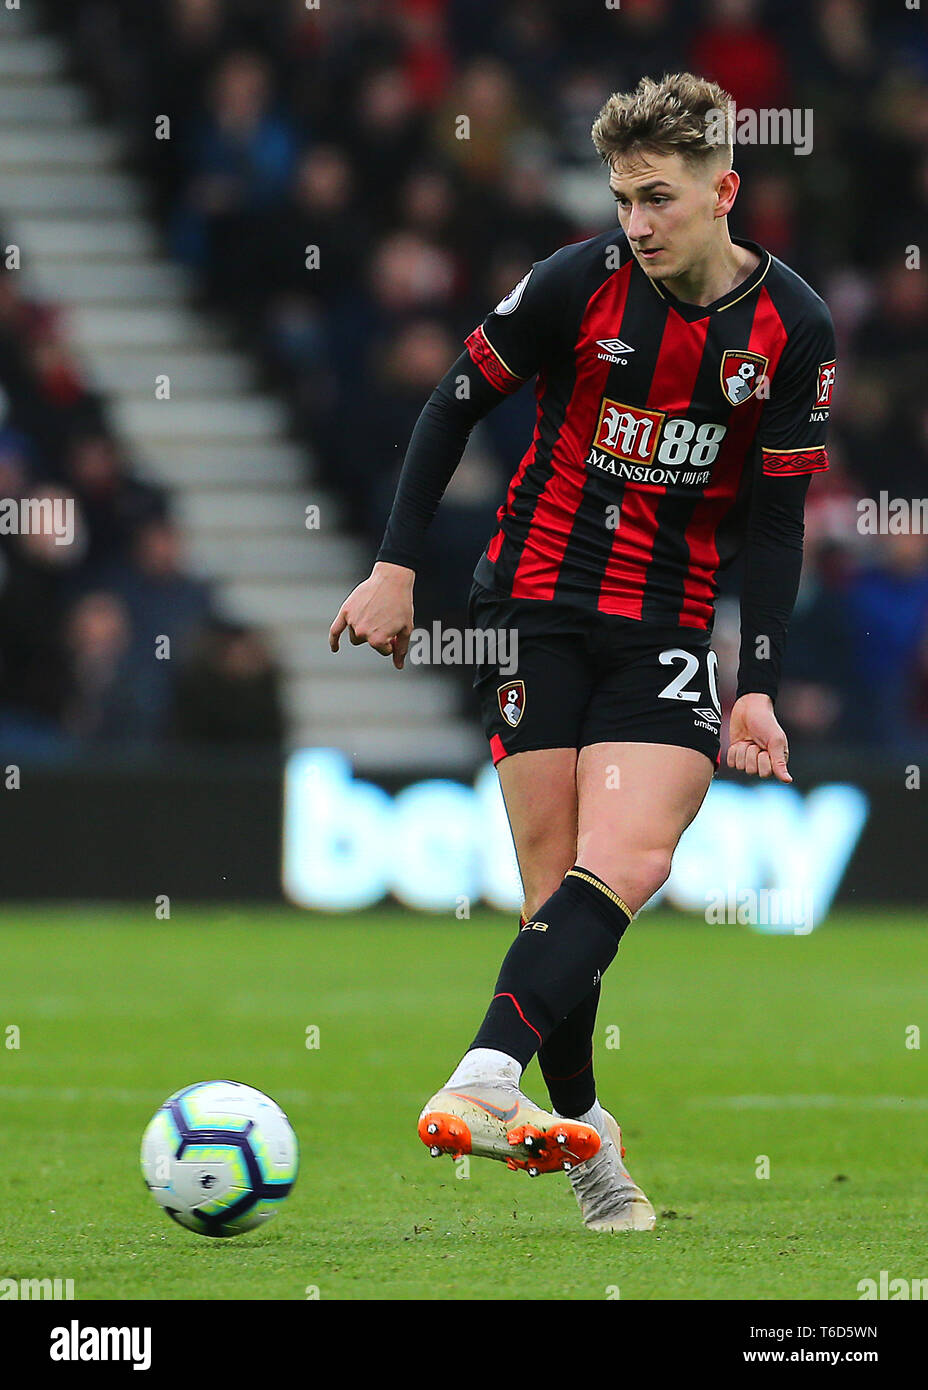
(681, 114)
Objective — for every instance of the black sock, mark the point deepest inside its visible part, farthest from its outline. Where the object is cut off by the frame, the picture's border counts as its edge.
(566, 1060)
(553, 964)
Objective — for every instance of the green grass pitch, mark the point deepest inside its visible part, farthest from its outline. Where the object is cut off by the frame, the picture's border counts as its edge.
(732, 1046)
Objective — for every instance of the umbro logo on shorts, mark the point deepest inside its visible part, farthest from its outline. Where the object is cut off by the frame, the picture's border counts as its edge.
(711, 715)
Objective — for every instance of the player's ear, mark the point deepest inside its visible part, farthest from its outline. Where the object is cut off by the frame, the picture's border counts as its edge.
(727, 183)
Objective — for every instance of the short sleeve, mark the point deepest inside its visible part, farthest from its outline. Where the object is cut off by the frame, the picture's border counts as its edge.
(515, 339)
(795, 420)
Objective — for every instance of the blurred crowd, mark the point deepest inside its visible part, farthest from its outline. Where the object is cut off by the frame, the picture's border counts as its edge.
(105, 641)
(353, 230)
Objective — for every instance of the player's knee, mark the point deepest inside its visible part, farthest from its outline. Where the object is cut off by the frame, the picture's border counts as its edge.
(645, 872)
(637, 876)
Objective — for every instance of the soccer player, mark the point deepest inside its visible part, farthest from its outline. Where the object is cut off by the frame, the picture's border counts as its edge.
(683, 385)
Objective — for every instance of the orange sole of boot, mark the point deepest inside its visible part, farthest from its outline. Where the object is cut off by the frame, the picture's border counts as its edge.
(553, 1151)
(444, 1134)
(561, 1147)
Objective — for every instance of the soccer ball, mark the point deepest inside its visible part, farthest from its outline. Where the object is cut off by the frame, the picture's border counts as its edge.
(219, 1157)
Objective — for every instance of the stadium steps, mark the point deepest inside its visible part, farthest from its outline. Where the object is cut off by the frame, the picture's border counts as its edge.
(241, 486)
(99, 329)
(197, 373)
(70, 281)
(88, 239)
(227, 465)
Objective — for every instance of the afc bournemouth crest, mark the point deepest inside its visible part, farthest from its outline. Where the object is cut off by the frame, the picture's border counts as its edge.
(511, 699)
(741, 374)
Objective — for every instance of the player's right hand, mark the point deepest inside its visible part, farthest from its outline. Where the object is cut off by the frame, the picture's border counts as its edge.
(379, 612)
(757, 743)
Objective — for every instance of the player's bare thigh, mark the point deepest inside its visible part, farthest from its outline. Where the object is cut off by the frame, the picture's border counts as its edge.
(634, 802)
(540, 791)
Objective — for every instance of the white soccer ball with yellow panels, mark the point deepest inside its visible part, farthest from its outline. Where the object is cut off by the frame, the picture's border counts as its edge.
(220, 1157)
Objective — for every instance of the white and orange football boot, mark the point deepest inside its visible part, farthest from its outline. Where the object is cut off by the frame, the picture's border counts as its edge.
(495, 1120)
(610, 1199)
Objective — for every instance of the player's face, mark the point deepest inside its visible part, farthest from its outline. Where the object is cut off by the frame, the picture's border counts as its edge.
(669, 210)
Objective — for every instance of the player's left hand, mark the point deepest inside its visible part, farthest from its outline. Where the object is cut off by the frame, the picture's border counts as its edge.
(757, 744)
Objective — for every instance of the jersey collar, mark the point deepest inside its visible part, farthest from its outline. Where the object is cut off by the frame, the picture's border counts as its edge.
(693, 312)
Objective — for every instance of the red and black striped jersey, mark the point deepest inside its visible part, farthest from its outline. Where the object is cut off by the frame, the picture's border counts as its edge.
(653, 419)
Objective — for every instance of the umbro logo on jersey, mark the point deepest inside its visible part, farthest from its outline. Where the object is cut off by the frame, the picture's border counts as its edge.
(613, 350)
(710, 715)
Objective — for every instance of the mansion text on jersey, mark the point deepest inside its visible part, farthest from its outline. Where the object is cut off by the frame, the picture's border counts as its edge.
(645, 473)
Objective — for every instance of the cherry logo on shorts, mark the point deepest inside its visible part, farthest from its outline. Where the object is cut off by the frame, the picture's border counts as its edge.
(511, 699)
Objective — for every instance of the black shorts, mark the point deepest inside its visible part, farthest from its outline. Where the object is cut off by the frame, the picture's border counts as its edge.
(568, 677)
